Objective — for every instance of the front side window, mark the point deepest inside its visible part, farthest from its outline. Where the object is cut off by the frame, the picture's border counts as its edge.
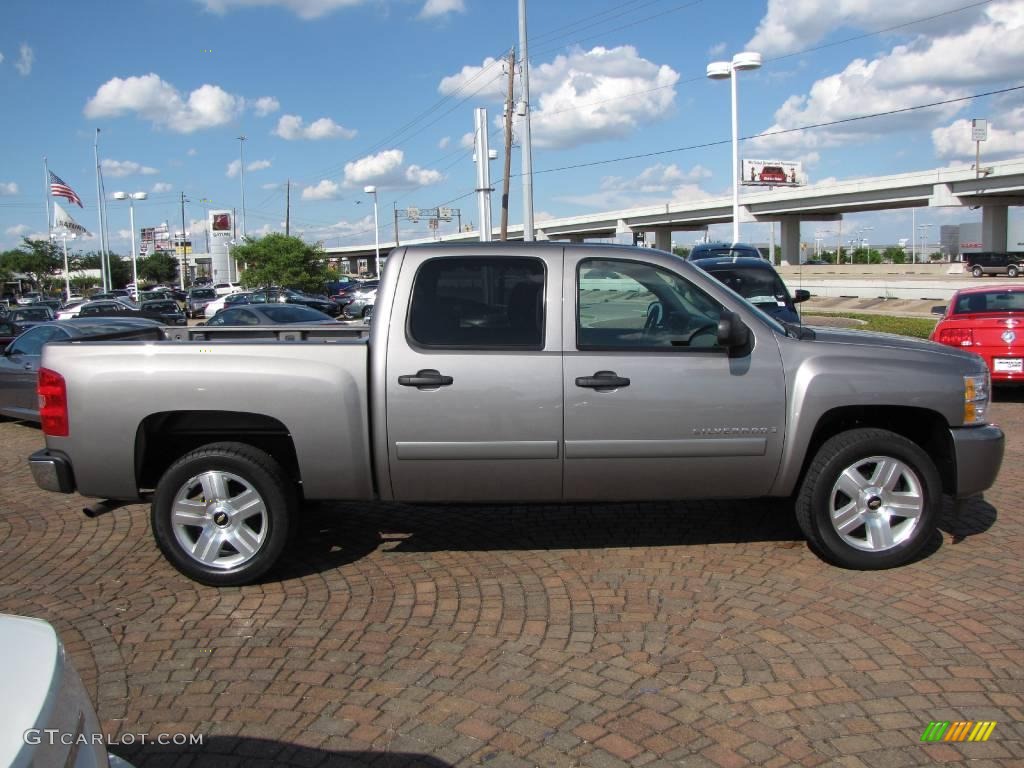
(479, 302)
(642, 307)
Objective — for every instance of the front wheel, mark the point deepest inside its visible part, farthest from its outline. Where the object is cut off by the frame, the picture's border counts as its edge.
(1012, 271)
(869, 500)
(977, 272)
(221, 513)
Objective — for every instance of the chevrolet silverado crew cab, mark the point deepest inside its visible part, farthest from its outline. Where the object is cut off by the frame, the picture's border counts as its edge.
(520, 373)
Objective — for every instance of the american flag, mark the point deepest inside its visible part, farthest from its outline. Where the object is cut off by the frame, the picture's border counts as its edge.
(58, 188)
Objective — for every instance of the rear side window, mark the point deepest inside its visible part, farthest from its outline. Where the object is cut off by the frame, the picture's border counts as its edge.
(996, 301)
(479, 302)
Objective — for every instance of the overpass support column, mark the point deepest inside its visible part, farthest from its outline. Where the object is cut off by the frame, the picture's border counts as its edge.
(993, 228)
(663, 239)
(790, 246)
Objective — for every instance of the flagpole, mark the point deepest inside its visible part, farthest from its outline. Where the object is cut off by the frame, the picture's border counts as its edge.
(46, 195)
(99, 208)
(67, 273)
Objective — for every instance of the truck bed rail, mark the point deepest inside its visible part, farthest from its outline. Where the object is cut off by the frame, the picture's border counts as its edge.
(324, 333)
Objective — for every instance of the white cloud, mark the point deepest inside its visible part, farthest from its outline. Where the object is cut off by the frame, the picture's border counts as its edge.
(387, 169)
(716, 50)
(158, 101)
(258, 165)
(192, 152)
(793, 25)
(17, 230)
(26, 56)
(929, 69)
(1, 58)
(162, 186)
(572, 94)
(264, 105)
(271, 185)
(118, 168)
(444, 142)
(655, 184)
(325, 190)
(468, 140)
(304, 9)
(233, 168)
(8, 188)
(1005, 138)
(434, 8)
(291, 128)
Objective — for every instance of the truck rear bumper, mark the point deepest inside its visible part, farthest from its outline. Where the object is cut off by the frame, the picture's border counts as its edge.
(52, 471)
(979, 454)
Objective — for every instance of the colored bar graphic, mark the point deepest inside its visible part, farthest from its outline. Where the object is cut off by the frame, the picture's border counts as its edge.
(959, 730)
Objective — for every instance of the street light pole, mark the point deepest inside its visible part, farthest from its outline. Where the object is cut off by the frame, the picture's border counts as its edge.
(372, 190)
(241, 174)
(720, 70)
(131, 217)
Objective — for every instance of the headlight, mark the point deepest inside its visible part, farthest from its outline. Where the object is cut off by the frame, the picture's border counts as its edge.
(977, 391)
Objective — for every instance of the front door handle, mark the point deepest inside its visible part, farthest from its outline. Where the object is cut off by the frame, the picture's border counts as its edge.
(428, 378)
(603, 381)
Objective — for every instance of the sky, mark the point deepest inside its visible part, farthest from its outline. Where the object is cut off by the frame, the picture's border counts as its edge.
(338, 94)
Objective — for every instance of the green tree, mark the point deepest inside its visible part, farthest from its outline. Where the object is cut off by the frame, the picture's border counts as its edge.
(120, 269)
(158, 267)
(280, 260)
(680, 250)
(38, 259)
(894, 255)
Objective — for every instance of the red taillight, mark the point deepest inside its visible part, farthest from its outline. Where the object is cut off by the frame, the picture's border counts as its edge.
(957, 337)
(53, 403)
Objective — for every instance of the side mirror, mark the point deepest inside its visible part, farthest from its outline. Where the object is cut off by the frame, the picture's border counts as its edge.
(732, 333)
(801, 295)
(939, 310)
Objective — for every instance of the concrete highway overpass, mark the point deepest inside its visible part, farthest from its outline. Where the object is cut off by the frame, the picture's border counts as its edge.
(1000, 187)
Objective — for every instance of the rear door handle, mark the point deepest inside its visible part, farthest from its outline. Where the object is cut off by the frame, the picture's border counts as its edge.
(602, 381)
(428, 378)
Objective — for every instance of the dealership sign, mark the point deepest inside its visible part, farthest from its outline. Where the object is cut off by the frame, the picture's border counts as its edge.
(772, 173)
(221, 226)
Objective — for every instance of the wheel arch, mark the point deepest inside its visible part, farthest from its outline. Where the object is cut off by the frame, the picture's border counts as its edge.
(164, 437)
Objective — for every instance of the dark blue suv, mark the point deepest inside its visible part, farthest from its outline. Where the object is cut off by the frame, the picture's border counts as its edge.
(712, 250)
(756, 281)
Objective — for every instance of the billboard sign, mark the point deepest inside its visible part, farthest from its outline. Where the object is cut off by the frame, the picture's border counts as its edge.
(772, 173)
(220, 225)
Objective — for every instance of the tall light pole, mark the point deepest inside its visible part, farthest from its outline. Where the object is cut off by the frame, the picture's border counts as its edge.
(372, 190)
(722, 70)
(241, 175)
(923, 237)
(131, 217)
(524, 112)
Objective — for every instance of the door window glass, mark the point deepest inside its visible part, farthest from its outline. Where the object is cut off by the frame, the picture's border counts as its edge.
(31, 342)
(479, 302)
(632, 305)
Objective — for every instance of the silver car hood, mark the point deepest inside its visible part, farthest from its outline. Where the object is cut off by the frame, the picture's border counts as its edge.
(30, 675)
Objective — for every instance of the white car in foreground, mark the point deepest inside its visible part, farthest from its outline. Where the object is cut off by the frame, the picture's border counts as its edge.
(46, 717)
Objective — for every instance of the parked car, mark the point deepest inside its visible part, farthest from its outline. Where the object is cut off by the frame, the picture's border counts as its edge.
(223, 289)
(19, 363)
(346, 294)
(289, 296)
(494, 375)
(711, 250)
(362, 303)
(26, 316)
(989, 263)
(756, 281)
(107, 308)
(43, 702)
(166, 311)
(231, 299)
(75, 310)
(29, 297)
(268, 314)
(989, 322)
(197, 300)
(55, 305)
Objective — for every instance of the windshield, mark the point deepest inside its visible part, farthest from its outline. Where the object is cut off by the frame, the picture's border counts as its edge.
(160, 306)
(202, 293)
(760, 287)
(31, 314)
(768, 319)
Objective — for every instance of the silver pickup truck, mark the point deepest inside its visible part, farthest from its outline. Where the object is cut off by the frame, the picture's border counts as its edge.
(501, 373)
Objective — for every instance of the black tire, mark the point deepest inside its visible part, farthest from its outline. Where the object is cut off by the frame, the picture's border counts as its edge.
(978, 272)
(366, 311)
(818, 495)
(1012, 271)
(247, 468)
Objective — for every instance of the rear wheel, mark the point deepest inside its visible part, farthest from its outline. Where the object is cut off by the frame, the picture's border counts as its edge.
(221, 514)
(869, 500)
(977, 271)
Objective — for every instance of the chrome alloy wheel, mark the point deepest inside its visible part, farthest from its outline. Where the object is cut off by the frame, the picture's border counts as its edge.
(219, 519)
(876, 503)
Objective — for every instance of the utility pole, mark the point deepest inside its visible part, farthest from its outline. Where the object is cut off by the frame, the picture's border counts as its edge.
(184, 248)
(508, 143)
(527, 146)
(394, 204)
(288, 209)
(99, 208)
(241, 173)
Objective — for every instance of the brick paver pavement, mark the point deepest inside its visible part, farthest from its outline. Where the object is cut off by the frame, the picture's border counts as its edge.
(664, 634)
